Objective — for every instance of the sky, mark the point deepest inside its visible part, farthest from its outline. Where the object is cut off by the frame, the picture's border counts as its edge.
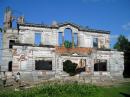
(110, 15)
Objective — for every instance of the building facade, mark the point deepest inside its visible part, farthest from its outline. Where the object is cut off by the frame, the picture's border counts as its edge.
(38, 51)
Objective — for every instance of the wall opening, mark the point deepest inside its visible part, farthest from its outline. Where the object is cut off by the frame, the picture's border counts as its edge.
(60, 39)
(14, 23)
(11, 43)
(81, 66)
(68, 35)
(43, 64)
(69, 67)
(74, 68)
(37, 39)
(95, 42)
(100, 65)
(10, 66)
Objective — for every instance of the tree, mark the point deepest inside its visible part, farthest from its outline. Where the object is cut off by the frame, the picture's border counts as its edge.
(69, 67)
(0, 29)
(122, 43)
(67, 44)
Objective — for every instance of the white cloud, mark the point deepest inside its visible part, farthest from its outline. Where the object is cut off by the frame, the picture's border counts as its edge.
(114, 36)
(126, 26)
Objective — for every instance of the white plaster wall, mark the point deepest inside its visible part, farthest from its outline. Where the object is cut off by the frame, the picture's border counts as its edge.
(86, 39)
(50, 36)
(27, 36)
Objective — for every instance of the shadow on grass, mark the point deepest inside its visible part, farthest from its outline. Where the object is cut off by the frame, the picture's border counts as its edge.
(124, 94)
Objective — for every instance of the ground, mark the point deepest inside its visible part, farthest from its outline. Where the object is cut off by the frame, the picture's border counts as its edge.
(56, 89)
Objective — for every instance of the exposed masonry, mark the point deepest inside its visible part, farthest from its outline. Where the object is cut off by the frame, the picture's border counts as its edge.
(24, 52)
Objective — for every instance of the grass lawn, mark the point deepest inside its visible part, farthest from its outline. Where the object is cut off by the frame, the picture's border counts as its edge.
(70, 90)
(122, 90)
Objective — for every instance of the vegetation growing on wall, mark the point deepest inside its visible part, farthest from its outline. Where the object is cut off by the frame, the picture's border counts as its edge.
(0, 29)
(69, 67)
(67, 44)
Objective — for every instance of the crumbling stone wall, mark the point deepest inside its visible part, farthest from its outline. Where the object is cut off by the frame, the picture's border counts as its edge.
(50, 36)
(115, 61)
(10, 34)
(24, 56)
(24, 60)
(24, 52)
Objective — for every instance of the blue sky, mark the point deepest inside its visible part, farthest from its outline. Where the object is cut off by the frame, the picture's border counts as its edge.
(111, 15)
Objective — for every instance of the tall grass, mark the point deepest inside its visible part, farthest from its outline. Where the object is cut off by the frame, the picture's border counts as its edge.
(54, 90)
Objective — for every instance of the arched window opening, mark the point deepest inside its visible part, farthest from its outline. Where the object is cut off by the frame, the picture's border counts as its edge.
(68, 35)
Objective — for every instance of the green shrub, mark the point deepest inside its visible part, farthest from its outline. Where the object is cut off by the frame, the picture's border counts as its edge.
(69, 67)
(67, 44)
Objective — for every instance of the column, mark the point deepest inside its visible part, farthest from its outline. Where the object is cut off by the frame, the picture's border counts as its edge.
(62, 38)
(72, 39)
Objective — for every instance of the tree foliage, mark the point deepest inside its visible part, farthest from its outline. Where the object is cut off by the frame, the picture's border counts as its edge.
(69, 67)
(122, 43)
(0, 29)
(67, 44)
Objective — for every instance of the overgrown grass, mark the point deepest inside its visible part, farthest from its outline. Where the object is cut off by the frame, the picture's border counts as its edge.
(54, 90)
(70, 90)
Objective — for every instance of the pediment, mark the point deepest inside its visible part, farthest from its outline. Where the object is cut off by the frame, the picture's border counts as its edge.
(64, 26)
(69, 25)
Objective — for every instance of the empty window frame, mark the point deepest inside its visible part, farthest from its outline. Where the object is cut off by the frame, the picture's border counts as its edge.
(10, 66)
(75, 39)
(11, 43)
(43, 64)
(1, 40)
(95, 42)
(37, 39)
(68, 35)
(60, 39)
(100, 65)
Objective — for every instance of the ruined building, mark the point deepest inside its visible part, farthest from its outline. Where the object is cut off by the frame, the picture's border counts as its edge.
(37, 51)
